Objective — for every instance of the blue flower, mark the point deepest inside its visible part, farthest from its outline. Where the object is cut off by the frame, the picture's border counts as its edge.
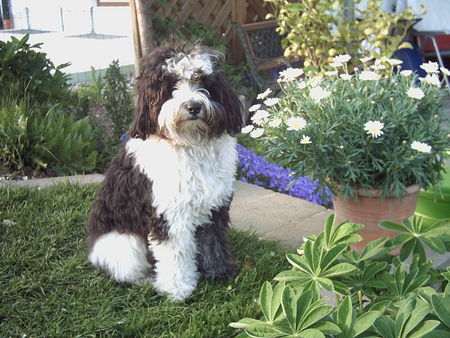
(257, 170)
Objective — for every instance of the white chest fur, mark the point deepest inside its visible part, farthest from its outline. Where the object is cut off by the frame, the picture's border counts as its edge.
(187, 181)
(187, 184)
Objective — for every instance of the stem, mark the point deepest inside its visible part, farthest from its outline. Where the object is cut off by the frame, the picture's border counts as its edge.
(360, 300)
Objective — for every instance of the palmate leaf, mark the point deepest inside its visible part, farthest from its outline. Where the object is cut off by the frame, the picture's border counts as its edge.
(385, 326)
(344, 233)
(261, 330)
(244, 323)
(338, 270)
(289, 304)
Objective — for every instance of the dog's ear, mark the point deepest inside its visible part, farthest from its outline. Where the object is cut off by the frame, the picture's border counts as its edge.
(153, 87)
(228, 98)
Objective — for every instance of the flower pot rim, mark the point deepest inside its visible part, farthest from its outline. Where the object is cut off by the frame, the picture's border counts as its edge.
(411, 189)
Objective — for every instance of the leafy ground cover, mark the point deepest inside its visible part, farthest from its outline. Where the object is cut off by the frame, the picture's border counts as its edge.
(49, 289)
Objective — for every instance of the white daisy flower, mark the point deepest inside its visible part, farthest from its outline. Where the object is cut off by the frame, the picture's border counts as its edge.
(345, 77)
(430, 67)
(315, 81)
(394, 62)
(445, 71)
(374, 128)
(290, 74)
(271, 101)
(415, 93)
(368, 75)
(275, 123)
(366, 59)
(296, 123)
(406, 73)
(247, 129)
(265, 94)
(331, 73)
(255, 107)
(432, 79)
(378, 67)
(342, 58)
(302, 85)
(421, 147)
(260, 117)
(305, 140)
(318, 93)
(257, 132)
(335, 64)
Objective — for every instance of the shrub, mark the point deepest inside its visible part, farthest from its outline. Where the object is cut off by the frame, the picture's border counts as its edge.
(376, 294)
(38, 139)
(25, 71)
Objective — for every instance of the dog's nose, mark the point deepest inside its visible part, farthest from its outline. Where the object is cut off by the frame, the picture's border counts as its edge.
(194, 108)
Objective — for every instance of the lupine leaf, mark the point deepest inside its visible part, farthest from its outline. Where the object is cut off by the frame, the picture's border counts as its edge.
(332, 255)
(338, 270)
(327, 328)
(441, 307)
(326, 283)
(407, 249)
(426, 327)
(292, 275)
(315, 315)
(312, 333)
(261, 330)
(265, 300)
(345, 314)
(392, 226)
(421, 309)
(289, 303)
(299, 262)
(364, 322)
(244, 323)
(385, 326)
(434, 243)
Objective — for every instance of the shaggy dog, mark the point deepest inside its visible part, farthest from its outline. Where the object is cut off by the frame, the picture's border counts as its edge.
(161, 214)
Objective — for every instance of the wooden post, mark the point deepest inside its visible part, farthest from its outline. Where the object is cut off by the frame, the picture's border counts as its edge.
(239, 15)
(141, 20)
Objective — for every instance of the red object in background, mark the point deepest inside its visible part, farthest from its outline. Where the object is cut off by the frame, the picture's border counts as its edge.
(442, 40)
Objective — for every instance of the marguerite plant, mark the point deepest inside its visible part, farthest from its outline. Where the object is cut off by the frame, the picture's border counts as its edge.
(372, 127)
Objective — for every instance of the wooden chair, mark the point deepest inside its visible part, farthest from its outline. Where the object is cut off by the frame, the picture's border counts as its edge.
(263, 51)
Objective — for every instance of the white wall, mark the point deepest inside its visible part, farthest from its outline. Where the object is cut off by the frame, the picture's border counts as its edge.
(76, 17)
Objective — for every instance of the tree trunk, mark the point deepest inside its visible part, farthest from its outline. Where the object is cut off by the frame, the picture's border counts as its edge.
(141, 15)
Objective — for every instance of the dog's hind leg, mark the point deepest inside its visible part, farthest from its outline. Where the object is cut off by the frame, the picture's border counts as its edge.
(124, 257)
(213, 257)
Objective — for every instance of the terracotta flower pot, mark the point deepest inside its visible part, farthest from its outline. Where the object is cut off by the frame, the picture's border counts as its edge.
(369, 209)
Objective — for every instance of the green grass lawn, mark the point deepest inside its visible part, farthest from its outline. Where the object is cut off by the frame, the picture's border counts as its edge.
(49, 289)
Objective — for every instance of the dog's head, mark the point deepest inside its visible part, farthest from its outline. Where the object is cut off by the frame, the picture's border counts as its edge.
(182, 96)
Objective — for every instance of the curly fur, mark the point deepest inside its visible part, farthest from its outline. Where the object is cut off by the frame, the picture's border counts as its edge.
(161, 213)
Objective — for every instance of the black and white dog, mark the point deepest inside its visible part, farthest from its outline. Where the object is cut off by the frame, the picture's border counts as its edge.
(161, 214)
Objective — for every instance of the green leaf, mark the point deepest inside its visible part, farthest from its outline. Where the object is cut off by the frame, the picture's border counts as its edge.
(345, 314)
(434, 243)
(338, 270)
(299, 262)
(364, 322)
(407, 249)
(328, 227)
(315, 315)
(265, 300)
(392, 226)
(421, 309)
(311, 333)
(244, 323)
(292, 275)
(326, 283)
(260, 330)
(332, 255)
(289, 304)
(327, 328)
(385, 326)
(441, 307)
(276, 299)
(426, 327)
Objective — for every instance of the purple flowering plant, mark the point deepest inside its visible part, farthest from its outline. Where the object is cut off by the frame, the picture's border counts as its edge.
(257, 170)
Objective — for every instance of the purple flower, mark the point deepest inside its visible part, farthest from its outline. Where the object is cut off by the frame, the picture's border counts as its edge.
(124, 138)
(257, 170)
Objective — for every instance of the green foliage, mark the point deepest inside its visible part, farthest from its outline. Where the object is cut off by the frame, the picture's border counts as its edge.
(36, 139)
(331, 32)
(117, 99)
(377, 295)
(414, 234)
(27, 72)
(333, 144)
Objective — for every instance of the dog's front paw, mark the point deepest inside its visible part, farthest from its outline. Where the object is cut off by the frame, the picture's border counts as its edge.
(176, 293)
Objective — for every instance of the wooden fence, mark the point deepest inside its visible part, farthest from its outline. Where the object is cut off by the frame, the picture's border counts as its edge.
(216, 13)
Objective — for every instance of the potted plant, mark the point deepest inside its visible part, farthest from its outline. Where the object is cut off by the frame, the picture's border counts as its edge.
(372, 135)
